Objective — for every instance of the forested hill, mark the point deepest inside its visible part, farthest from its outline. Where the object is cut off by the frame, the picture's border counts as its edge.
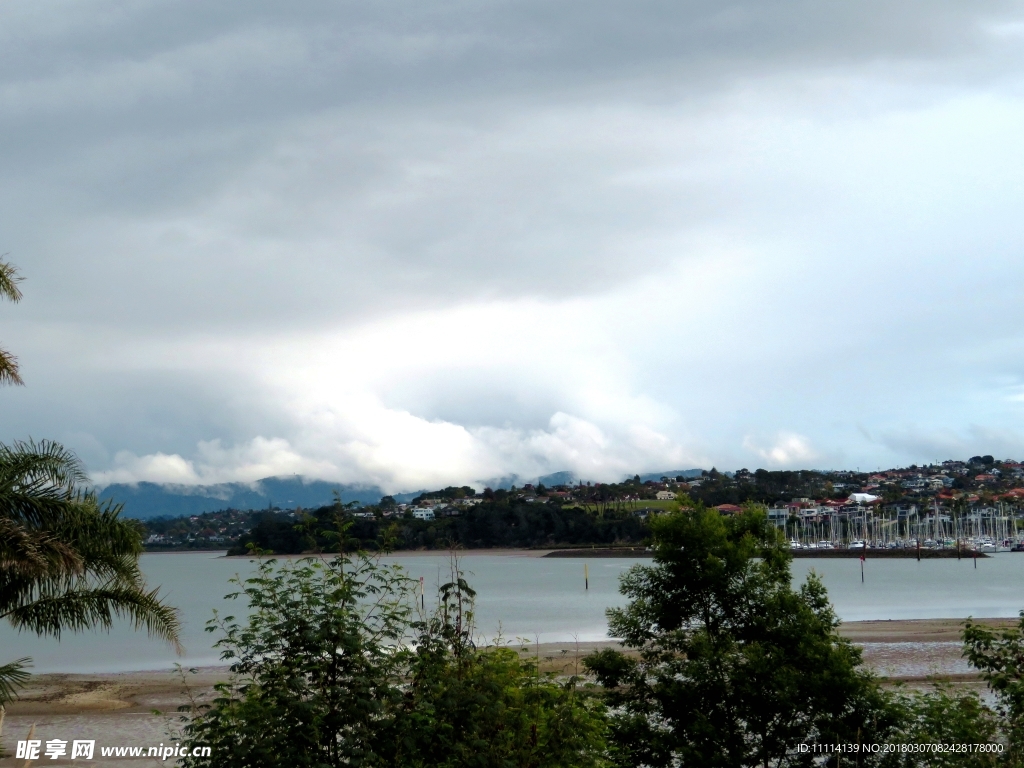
(576, 513)
(499, 522)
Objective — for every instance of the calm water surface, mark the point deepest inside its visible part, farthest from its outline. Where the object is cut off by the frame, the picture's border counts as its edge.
(536, 598)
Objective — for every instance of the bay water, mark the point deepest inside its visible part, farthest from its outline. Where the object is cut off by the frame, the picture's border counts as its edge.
(533, 598)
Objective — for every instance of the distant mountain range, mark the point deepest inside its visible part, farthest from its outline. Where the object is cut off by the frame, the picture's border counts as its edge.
(147, 500)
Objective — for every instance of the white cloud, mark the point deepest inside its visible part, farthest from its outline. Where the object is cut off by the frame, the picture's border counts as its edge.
(789, 450)
(156, 468)
(402, 453)
(215, 463)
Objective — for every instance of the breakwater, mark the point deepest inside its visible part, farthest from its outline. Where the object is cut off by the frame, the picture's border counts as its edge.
(876, 554)
(869, 554)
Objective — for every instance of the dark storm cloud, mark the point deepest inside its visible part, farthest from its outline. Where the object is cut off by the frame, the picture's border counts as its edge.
(429, 146)
(426, 242)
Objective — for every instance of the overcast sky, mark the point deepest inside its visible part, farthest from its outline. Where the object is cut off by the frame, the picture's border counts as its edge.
(439, 242)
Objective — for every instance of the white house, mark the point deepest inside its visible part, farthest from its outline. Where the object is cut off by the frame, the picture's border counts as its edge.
(862, 498)
(423, 514)
(814, 512)
(664, 495)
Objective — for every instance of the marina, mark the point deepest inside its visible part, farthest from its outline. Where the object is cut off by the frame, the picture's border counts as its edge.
(959, 528)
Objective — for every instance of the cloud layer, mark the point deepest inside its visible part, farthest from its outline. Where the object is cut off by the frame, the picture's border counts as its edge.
(446, 243)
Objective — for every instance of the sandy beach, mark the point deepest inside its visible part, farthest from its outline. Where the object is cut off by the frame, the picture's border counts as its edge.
(913, 630)
(131, 709)
(142, 692)
(140, 708)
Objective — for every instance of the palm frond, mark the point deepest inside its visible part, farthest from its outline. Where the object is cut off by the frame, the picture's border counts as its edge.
(9, 369)
(76, 610)
(12, 677)
(9, 279)
(99, 531)
(38, 480)
(46, 462)
(68, 562)
(33, 553)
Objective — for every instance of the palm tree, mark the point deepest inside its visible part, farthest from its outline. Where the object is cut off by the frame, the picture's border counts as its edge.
(67, 563)
(9, 279)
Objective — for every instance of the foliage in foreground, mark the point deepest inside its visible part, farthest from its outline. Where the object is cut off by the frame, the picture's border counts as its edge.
(1000, 657)
(487, 707)
(66, 563)
(333, 668)
(9, 279)
(944, 716)
(730, 668)
(734, 667)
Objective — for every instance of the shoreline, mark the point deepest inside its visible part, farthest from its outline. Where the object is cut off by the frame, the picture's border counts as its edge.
(924, 641)
(825, 554)
(496, 552)
(611, 552)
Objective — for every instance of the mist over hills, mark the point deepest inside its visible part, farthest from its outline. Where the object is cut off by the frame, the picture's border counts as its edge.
(571, 478)
(147, 500)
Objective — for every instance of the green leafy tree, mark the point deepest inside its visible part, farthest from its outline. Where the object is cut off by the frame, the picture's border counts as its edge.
(730, 665)
(316, 667)
(332, 669)
(943, 716)
(999, 655)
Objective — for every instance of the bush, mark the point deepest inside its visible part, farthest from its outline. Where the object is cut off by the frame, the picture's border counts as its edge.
(487, 707)
(1000, 657)
(944, 716)
(331, 669)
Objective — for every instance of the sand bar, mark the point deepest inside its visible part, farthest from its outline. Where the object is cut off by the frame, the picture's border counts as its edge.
(118, 709)
(138, 692)
(914, 630)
